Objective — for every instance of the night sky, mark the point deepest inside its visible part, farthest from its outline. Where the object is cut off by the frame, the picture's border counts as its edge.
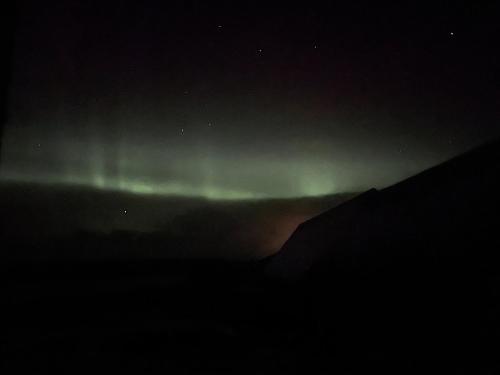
(242, 100)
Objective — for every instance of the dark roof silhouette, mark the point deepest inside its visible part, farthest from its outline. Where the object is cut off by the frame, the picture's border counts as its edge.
(446, 211)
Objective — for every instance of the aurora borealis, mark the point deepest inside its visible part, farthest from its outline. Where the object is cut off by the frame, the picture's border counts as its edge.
(193, 99)
(250, 186)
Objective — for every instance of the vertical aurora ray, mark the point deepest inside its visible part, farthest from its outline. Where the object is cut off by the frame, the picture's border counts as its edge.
(126, 104)
(156, 164)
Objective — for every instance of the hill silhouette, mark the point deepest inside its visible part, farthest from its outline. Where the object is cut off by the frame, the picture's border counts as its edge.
(409, 273)
(55, 221)
(455, 204)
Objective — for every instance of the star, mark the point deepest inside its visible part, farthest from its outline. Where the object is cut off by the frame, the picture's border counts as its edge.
(182, 131)
(125, 212)
(259, 50)
(452, 33)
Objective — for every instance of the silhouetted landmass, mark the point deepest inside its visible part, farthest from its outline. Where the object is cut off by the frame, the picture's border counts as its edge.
(401, 280)
(409, 275)
(54, 221)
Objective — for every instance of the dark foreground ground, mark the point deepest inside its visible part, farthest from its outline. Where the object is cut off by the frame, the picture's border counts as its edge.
(208, 317)
(149, 317)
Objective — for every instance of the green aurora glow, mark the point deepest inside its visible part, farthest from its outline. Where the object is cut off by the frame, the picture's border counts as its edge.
(160, 100)
(211, 177)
